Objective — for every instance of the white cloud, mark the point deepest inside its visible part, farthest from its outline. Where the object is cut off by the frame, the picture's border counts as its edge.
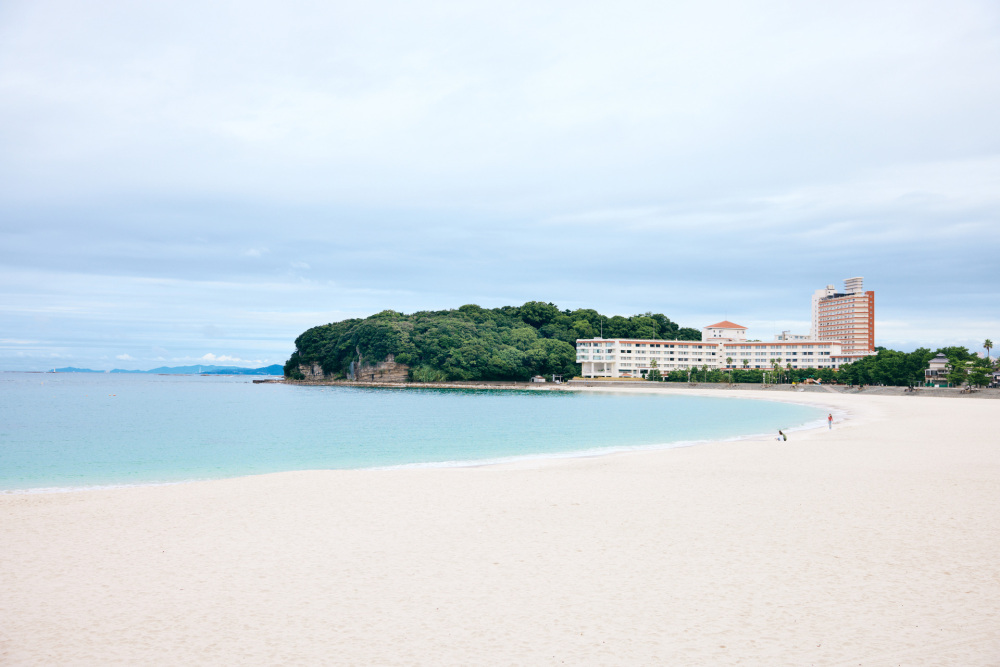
(682, 158)
(124, 357)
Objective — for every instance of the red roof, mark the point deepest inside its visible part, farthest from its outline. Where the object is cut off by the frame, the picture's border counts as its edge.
(725, 324)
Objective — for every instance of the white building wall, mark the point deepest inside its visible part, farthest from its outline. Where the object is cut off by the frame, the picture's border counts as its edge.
(630, 357)
(800, 354)
(819, 294)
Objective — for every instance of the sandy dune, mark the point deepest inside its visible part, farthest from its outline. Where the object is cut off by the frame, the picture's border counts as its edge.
(876, 543)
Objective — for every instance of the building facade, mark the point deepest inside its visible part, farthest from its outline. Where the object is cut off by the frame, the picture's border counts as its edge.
(936, 374)
(848, 317)
(723, 346)
(842, 332)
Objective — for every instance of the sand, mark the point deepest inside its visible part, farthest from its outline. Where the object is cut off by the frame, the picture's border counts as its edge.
(876, 543)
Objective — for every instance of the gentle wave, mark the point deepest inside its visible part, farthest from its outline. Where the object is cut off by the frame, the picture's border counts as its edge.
(840, 415)
(110, 432)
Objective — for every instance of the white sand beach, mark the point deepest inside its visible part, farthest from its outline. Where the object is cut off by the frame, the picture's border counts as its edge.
(875, 543)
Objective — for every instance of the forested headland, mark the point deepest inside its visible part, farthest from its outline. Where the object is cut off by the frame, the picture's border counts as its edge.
(472, 343)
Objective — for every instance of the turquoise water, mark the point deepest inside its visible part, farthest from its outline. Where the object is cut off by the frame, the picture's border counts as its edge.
(79, 430)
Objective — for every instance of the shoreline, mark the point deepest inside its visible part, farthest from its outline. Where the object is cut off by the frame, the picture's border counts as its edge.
(633, 385)
(515, 460)
(870, 544)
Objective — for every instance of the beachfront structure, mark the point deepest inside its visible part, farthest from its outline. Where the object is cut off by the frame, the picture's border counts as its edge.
(787, 336)
(723, 330)
(721, 342)
(848, 317)
(936, 373)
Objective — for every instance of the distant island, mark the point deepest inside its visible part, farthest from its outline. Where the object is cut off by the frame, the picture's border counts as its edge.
(468, 343)
(273, 369)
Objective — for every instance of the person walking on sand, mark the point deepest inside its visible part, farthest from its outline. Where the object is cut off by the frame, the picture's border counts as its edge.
(829, 421)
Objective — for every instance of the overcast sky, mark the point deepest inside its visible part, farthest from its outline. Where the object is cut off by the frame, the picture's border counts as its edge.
(188, 183)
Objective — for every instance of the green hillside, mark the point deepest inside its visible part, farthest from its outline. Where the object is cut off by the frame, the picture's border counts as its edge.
(473, 343)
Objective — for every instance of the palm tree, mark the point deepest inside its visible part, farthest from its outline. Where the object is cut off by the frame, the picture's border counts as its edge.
(729, 365)
(988, 344)
(746, 364)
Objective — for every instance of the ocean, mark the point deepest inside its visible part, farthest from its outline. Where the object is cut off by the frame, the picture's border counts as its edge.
(68, 431)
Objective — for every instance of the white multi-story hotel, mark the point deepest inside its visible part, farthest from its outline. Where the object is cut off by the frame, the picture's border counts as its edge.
(723, 345)
(843, 331)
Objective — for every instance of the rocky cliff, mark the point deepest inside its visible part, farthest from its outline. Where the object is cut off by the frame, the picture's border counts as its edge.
(383, 371)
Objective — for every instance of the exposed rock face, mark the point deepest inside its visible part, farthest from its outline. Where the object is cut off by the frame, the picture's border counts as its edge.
(382, 371)
(314, 372)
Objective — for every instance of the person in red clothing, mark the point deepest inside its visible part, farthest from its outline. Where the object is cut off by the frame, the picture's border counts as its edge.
(829, 421)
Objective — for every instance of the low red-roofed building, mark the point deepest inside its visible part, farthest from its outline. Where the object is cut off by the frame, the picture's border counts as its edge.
(724, 330)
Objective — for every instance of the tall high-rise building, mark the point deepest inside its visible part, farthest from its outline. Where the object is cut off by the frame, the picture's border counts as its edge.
(847, 316)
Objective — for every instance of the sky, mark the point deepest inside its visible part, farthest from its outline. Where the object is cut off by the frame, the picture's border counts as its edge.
(192, 182)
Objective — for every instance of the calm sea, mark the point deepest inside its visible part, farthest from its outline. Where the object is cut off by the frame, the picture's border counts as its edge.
(81, 430)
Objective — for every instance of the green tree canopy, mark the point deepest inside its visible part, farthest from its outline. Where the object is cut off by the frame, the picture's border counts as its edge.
(474, 343)
(888, 367)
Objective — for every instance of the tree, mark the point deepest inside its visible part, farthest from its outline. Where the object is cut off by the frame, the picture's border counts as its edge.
(654, 372)
(729, 365)
(687, 333)
(988, 344)
(958, 373)
(472, 342)
(746, 364)
(537, 313)
(956, 353)
(979, 377)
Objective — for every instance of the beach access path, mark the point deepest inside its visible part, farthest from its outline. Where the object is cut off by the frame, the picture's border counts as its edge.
(874, 543)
